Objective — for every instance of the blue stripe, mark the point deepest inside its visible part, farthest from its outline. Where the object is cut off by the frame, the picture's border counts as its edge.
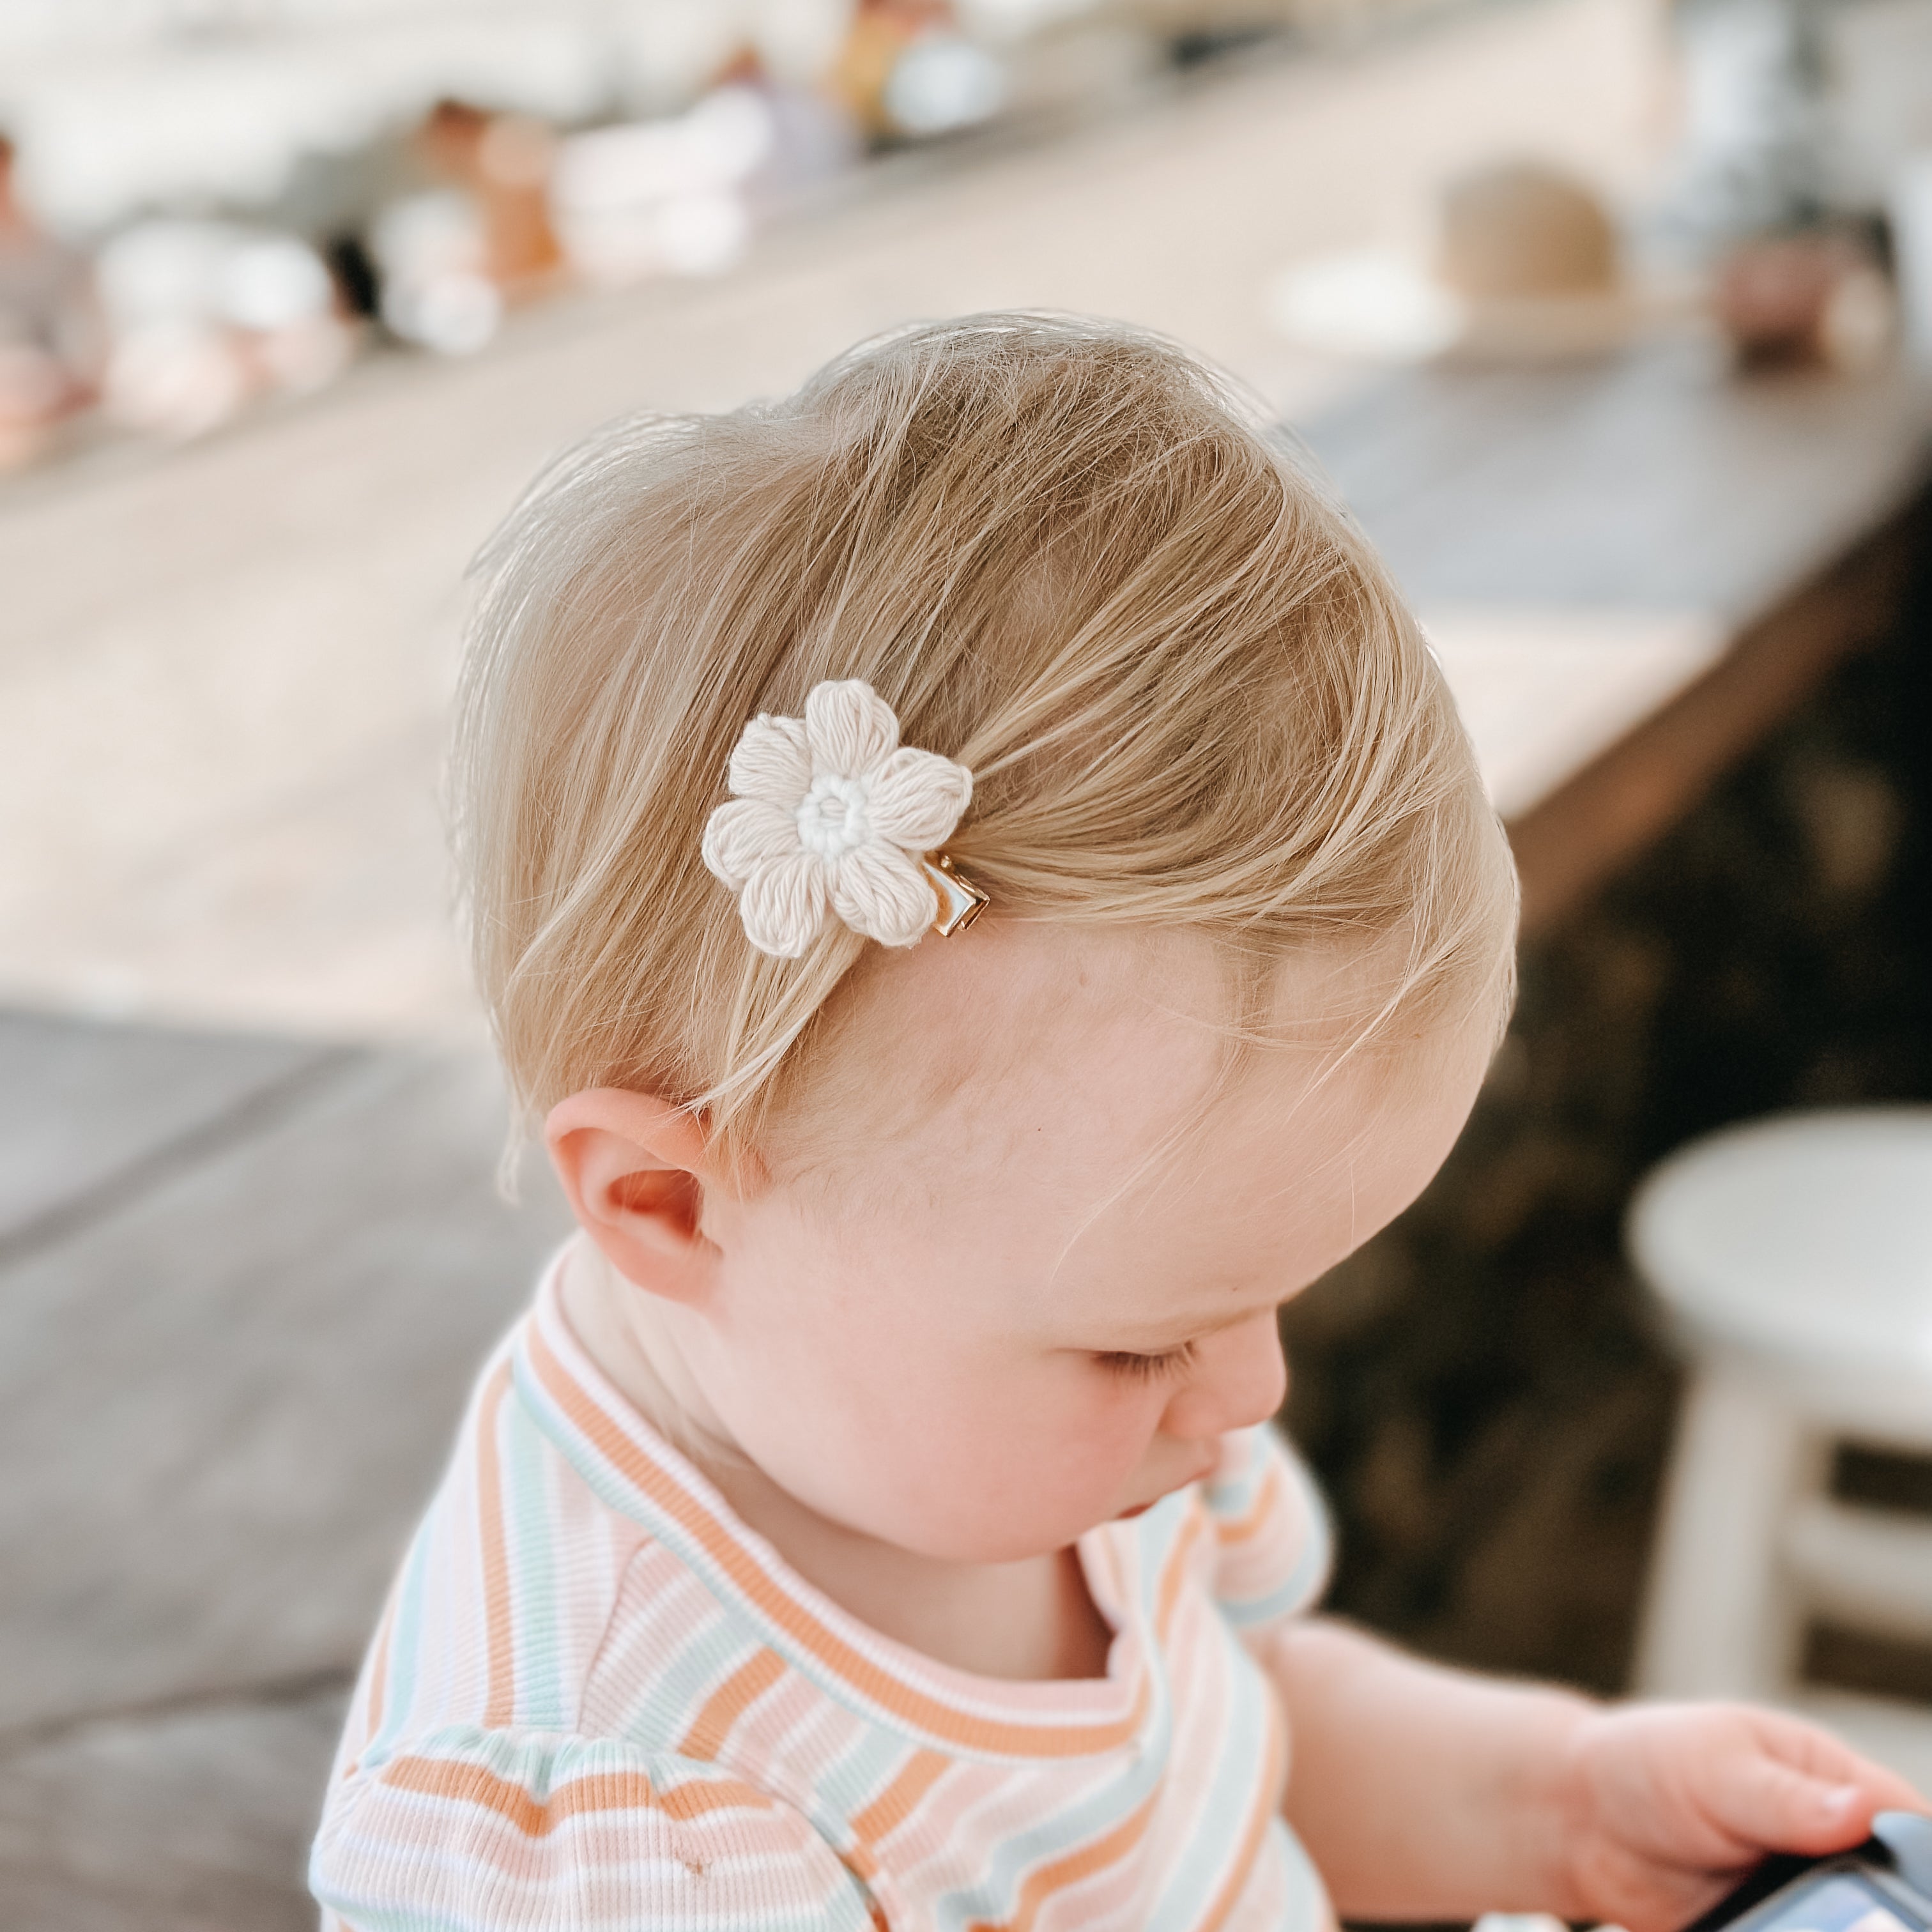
(1240, 1766)
(852, 1779)
(1304, 1582)
(681, 1681)
(546, 1697)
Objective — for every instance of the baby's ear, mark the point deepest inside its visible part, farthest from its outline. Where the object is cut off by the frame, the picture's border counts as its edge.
(636, 1169)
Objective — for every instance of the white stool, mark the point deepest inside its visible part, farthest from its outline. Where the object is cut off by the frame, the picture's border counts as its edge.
(1794, 1257)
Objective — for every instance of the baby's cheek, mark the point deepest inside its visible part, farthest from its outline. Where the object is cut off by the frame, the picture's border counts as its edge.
(1084, 1451)
(1025, 1479)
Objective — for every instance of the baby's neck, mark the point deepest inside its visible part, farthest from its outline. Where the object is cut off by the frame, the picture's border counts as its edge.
(1030, 1621)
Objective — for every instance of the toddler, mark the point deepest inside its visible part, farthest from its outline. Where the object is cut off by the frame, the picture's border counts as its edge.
(980, 879)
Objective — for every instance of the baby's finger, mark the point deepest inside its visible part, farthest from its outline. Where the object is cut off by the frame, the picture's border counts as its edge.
(1774, 1806)
(1829, 1760)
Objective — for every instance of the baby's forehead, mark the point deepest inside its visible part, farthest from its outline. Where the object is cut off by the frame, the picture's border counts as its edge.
(1013, 1005)
(1081, 1050)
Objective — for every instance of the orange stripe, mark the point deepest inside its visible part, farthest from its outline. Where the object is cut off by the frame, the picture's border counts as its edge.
(859, 1672)
(500, 1707)
(728, 1704)
(1175, 1574)
(1241, 1527)
(900, 1799)
(596, 1791)
(1237, 1879)
(1071, 1869)
(379, 1671)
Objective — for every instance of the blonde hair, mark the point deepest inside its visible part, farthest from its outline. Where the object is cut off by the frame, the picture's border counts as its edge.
(1069, 557)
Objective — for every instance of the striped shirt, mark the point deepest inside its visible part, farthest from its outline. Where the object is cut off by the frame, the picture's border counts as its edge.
(597, 1699)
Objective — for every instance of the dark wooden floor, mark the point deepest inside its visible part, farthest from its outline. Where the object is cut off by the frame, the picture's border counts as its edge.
(244, 1284)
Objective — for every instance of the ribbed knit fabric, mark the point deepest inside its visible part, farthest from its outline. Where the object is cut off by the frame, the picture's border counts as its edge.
(597, 1699)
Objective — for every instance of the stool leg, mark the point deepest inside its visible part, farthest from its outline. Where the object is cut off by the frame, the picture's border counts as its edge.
(1722, 1620)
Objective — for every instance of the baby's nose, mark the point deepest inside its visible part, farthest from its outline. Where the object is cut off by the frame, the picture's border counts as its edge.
(1239, 1377)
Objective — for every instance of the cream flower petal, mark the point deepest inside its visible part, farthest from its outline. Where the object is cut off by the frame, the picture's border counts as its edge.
(744, 834)
(851, 728)
(875, 808)
(783, 905)
(917, 799)
(880, 892)
(772, 762)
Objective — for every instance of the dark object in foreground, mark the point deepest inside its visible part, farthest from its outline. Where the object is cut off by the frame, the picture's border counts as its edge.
(1883, 1886)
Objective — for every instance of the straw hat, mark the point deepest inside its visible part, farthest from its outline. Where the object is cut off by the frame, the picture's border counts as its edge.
(1526, 268)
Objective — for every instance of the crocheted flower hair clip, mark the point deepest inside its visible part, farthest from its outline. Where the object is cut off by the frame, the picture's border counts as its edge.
(830, 812)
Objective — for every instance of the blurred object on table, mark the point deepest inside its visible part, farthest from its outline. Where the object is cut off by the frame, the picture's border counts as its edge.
(906, 71)
(1800, 125)
(1527, 268)
(675, 196)
(203, 316)
(125, 111)
(1534, 257)
(1798, 121)
(448, 259)
(1801, 194)
(1369, 304)
(448, 159)
(1910, 212)
(430, 251)
(1525, 231)
(809, 142)
(1752, 151)
(1817, 299)
(505, 160)
(1875, 64)
(49, 329)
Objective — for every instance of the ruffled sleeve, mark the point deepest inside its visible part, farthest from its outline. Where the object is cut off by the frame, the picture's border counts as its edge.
(471, 1830)
(1271, 1531)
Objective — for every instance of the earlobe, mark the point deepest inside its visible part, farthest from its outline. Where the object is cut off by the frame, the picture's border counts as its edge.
(636, 1170)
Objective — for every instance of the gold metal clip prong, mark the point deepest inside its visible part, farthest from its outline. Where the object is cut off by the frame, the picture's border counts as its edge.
(961, 901)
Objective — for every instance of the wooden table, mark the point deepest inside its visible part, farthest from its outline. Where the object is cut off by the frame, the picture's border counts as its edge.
(1630, 571)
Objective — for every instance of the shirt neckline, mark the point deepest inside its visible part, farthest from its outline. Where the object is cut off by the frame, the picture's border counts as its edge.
(636, 1471)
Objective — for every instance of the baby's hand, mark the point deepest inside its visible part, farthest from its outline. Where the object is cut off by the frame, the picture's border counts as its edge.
(1670, 1804)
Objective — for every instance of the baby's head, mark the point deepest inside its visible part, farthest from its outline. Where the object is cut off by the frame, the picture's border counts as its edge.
(971, 1244)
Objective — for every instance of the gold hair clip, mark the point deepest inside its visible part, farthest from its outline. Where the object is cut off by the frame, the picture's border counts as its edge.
(961, 901)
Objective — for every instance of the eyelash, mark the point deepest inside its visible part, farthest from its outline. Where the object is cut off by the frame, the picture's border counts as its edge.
(1146, 1368)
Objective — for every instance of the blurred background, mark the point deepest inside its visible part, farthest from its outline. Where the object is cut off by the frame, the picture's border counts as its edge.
(1611, 320)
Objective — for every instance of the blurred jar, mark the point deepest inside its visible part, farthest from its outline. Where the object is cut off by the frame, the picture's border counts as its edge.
(664, 196)
(503, 162)
(906, 72)
(1807, 299)
(202, 316)
(50, 336)
(431, 258)
(450, 260)
(1910, 212)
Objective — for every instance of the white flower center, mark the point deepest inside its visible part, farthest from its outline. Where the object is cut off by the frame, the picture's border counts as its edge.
(832, 820)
